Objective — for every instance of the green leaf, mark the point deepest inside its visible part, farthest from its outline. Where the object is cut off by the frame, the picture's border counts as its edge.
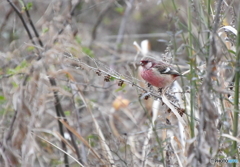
(11, 71)
(93, 139)
(44, 30)
(14, 84)
(2, 98)
(121, 88)
(78, 39)
(66, 87)
(29, 5)
(21, 66)
(112, 78)
(92, 136)
(30, 48)
(88, 51)
(231, 51)
(67, 113)
(119, 10)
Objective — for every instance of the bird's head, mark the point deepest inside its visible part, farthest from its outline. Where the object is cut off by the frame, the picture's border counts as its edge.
(146, 63)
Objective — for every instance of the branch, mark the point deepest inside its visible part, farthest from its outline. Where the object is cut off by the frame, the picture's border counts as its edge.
(113, 74)
(59, 110)
(23, 21)
(99, 20)
(6, 18)
(32, 25)
(60, 114)
(66, 22)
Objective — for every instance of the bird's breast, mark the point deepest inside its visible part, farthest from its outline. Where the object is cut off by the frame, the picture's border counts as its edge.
(157, 79)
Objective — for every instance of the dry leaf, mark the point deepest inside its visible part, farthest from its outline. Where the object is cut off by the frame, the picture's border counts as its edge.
(120, 102)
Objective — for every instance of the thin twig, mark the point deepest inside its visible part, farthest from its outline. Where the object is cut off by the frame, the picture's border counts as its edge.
(59, 110)
(9, 135)
(99, 20)
(59, 149)
(155, 95)
(23, 21)
(67, 20)
(6, 19)
(60, 113)
(32, 25)
(122, 28)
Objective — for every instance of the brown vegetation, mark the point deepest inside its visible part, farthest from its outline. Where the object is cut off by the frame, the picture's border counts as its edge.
(70, 93)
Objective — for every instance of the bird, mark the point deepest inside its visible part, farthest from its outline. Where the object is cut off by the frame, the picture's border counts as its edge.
(158, 73)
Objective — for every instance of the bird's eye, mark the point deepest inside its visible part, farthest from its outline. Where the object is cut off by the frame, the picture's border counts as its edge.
(143, 62)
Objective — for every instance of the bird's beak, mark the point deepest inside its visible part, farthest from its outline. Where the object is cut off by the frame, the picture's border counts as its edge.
(141, 63)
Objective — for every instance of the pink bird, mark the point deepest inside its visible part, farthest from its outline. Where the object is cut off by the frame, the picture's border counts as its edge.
(158, 73)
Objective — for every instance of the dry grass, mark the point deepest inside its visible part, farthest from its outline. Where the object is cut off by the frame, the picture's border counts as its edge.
(77, 100)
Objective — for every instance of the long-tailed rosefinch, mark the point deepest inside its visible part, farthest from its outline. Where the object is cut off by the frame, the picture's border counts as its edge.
(158, 73)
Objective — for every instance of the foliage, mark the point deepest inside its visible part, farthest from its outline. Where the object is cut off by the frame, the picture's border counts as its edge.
(72, 95)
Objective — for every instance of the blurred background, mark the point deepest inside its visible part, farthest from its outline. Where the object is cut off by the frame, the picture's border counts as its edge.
(69, 82)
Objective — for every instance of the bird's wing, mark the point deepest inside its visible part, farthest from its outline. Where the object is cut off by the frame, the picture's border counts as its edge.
(166, 69)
